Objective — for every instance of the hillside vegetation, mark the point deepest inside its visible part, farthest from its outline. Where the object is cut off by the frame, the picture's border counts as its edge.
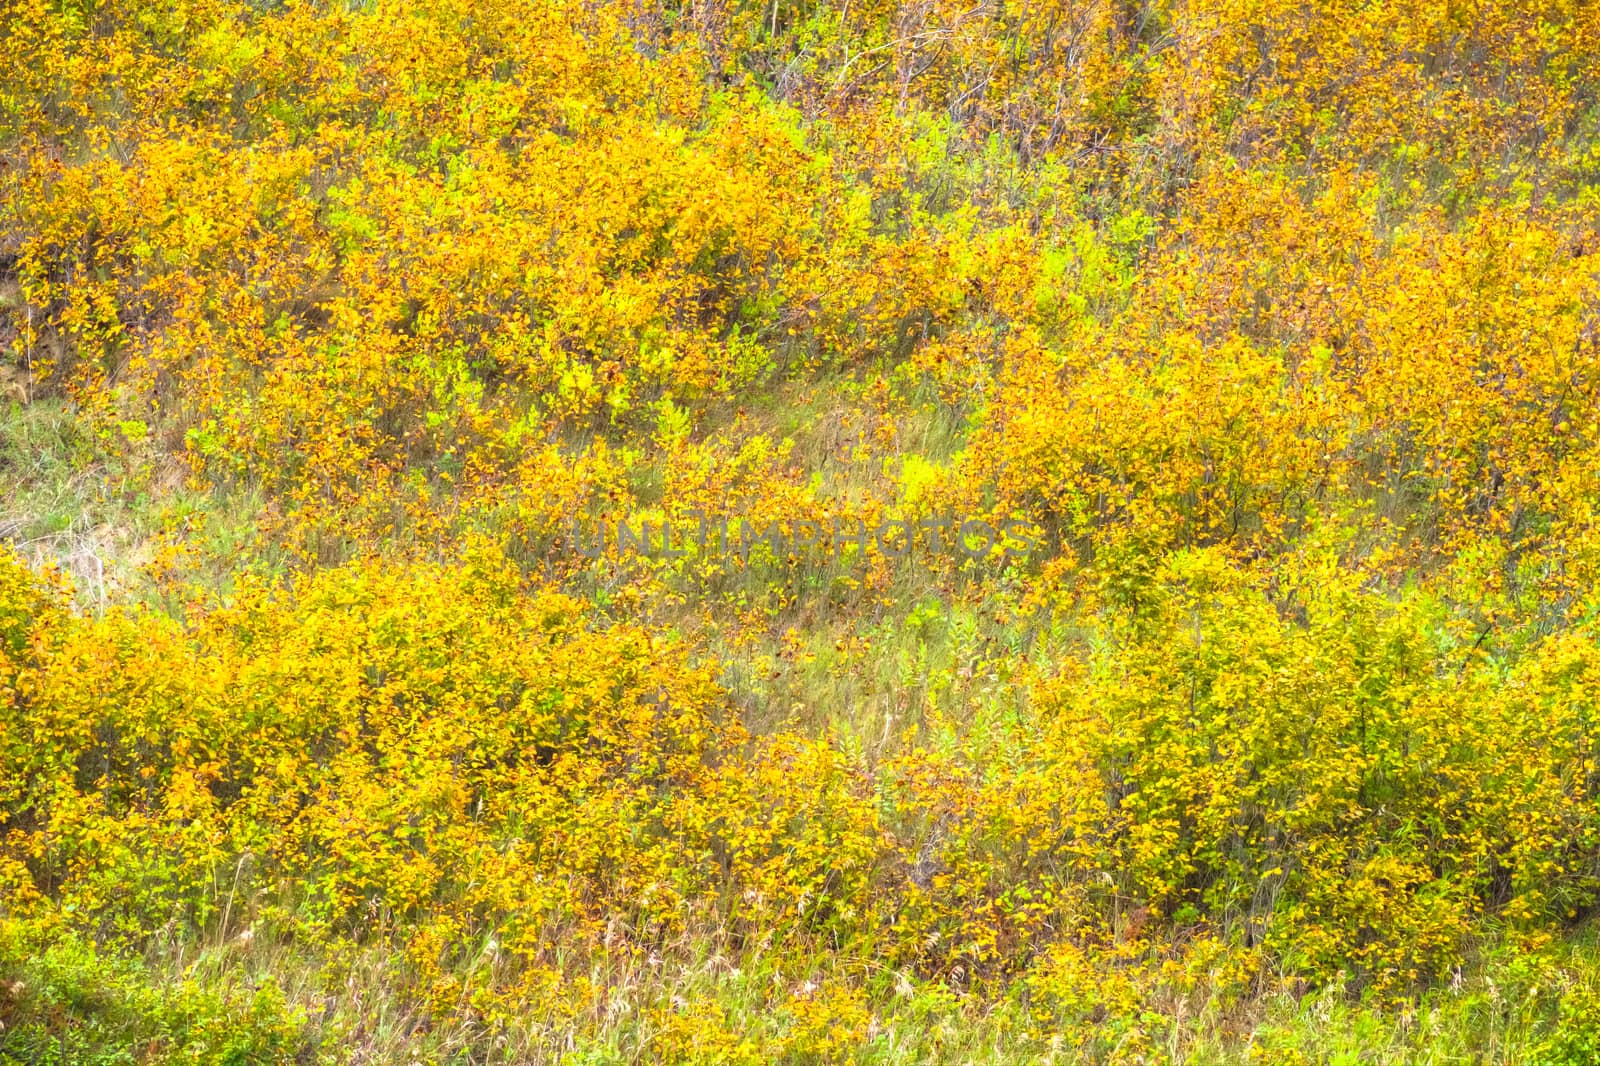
(1226, 373)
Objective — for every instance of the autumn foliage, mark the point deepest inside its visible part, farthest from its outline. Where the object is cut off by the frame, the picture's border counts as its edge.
(1276, 321)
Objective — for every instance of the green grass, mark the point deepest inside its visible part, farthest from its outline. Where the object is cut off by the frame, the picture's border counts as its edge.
(107, 516)
(239, 1000)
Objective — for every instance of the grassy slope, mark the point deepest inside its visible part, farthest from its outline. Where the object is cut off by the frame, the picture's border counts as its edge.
(939, 657)
(230, 997)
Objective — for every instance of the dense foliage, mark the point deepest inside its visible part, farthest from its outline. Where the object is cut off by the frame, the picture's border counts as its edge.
(326, 327)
